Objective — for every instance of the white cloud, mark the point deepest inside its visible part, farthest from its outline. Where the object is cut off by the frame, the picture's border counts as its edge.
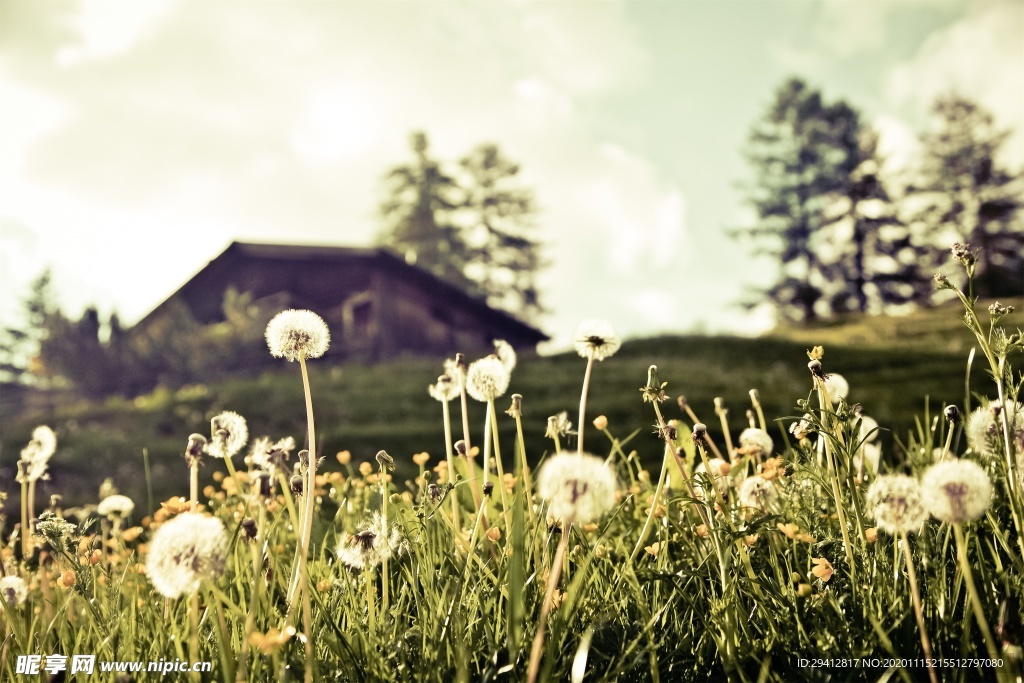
(106, 28)
(979, 56)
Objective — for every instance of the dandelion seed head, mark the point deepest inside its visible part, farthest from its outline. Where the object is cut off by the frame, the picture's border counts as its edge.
(956, 491)
(269, 456)
(445, 389)
(868, 458)
(559, 426)
(229, 434)
(487, 379)
(35, 457)
(115, 506)
(296, 334)
(754, 438)
(896, 502)
(42, 446)
(505, 353)
(837, 386)
(577, 487)
(13, 591)
(757, 492)
(185, 552)
(984, 426)
(375, 542)
(596, 337)
(869, 432)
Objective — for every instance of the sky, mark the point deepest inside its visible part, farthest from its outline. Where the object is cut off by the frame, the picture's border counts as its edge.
(138, 139)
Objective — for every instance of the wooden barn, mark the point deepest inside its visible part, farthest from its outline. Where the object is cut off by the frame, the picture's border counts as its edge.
(376, 305)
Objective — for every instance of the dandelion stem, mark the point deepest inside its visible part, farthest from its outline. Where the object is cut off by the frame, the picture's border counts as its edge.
(477, 495)
(916, 595)
(501, 472)
(756, 401)
(193, 485)
(583, 397)
(527, 482)
(384, 559)
(24, 520)
(451, 464)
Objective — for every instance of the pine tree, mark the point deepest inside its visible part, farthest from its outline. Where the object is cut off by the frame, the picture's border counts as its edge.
(417, 216)
(969, 197)
(19, 345)
(877, 264)
(803, 152)
(498, 218)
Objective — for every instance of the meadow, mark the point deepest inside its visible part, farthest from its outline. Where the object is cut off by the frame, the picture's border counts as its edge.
(775, 534)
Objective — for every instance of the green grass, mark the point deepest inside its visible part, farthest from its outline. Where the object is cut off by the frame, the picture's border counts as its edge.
(366, 408)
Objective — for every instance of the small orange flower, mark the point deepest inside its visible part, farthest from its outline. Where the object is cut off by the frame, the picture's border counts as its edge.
(131, 533)
(494, 533)
(67, 579)
(421, 458)
(822, 568)
(654, 548)
(701, 530)
(324, 586)
(176, 504)
(365, 469)
(344, 457)
(557, 598)
(751, 539)
(871, 534)
(272, 640)
(600, 423)
(793, 531)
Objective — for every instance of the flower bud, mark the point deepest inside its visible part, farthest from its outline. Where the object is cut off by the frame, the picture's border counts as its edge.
(297, 483)
(385, 461)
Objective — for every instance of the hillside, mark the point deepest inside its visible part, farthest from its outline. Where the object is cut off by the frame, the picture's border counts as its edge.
(364, 408)
(935, 329)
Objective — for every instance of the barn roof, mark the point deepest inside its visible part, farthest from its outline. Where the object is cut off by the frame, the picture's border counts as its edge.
(379, 258)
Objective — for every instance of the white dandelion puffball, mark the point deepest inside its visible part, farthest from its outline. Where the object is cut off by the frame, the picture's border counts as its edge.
(759, 439)
(719, 468)
(956, 491)
(184, 552)
(42, 446)
(115, 506)
(896, 502)
(757, 492)
(505, 353)
(228, 434)
(596, 337)
(376, 542)
(297, 334)
(837, 387)
(867, 458)
(445, 389)
(487, 379)
(984, 428)
(13, 591)
(577, 487)
(267, 456)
